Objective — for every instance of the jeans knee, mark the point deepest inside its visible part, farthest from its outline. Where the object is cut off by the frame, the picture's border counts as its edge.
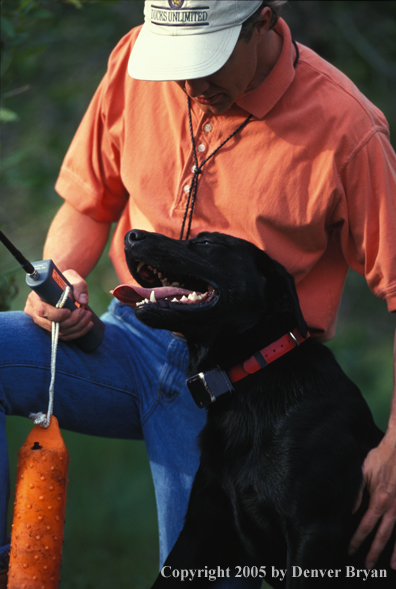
(24, 348)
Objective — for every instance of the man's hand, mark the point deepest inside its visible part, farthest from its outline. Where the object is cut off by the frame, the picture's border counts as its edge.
(71, 325)
(379, 475)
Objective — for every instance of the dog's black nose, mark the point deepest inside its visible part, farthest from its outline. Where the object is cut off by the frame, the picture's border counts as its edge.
(134, 235)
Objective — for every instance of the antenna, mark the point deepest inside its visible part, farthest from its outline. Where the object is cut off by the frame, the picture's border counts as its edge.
(20, 258)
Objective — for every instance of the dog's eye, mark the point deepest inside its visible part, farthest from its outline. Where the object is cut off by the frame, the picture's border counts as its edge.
(206, 241)
(203, 241)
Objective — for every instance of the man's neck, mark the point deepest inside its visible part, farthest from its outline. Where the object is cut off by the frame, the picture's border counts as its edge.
(269, 52)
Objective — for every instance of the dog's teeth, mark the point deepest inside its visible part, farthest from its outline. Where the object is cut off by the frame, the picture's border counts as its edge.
(139, 266)
(165, 282)
(159, 274)
(155, 271)
(152, 297)
(193, 296)
(174, 300)
(184, 299)
(175, 284)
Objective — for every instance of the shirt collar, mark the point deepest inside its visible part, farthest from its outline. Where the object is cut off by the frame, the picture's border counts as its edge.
(261, 100)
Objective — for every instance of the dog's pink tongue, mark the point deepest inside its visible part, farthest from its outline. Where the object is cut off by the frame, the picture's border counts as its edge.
(130, 295)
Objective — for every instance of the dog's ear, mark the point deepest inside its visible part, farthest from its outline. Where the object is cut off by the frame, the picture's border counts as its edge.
(282, 291)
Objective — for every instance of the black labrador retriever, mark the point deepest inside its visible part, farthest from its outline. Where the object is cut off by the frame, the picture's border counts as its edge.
(286, 432)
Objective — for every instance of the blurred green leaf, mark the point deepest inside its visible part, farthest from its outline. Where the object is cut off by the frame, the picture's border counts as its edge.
(8, 116)
(30, 51)
(42, 13)
(7, 28)
(8, 291)
(6, 59)
(76, 3)
(25, 6)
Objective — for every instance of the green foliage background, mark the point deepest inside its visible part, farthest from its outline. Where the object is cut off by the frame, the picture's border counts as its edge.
(54, 54)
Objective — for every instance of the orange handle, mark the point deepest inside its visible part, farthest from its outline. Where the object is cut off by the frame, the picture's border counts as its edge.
(39, 510)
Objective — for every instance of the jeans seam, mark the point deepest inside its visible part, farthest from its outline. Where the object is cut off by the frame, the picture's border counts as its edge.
(149, 411)
(75, 376)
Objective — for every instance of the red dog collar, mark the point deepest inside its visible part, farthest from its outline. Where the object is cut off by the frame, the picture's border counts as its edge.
(206, 387)
(267, 355)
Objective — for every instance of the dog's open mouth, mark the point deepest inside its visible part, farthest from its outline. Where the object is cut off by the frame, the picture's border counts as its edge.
(163, 290)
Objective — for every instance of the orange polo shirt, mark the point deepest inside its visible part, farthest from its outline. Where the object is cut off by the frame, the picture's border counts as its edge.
(311, 179)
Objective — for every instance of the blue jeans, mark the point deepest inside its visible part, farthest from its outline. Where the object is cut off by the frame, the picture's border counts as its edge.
(131, 387)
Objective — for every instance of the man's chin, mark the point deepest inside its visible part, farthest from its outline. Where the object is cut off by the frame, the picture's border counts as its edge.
(215, 107)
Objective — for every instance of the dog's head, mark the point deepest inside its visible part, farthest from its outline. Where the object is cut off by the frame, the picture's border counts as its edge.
(210, 288)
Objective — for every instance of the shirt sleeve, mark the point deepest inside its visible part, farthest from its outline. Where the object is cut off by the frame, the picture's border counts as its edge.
(90, 178)
(369, 235)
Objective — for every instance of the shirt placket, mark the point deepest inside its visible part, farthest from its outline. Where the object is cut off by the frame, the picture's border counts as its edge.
(206, 138)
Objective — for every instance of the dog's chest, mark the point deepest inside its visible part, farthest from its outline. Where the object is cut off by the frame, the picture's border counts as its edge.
(240, 439)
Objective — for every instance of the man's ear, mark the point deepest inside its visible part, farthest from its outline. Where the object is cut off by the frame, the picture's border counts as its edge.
(283, 293)
(263, 25)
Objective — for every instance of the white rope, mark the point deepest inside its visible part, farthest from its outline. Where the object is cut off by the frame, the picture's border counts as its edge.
(41, 418)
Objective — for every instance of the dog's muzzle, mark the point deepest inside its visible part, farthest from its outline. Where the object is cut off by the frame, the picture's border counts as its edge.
(206, 387)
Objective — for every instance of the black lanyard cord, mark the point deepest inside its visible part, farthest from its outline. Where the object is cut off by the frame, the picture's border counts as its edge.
(192, 193)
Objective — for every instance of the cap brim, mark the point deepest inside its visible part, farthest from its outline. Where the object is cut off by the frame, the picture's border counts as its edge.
(161, 57)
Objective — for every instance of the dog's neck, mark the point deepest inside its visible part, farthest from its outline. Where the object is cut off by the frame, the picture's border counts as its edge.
(228, 348)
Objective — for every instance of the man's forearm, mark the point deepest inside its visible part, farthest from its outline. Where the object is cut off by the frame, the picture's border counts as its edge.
(75, 241)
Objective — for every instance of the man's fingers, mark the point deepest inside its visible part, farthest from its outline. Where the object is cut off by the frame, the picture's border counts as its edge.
(359, 499)
(378, 508)
(80, 287)
(368, 522)
(42, 313)
(366, 526)
(381, 538)
(72, 325)
(379, 474)
(50, 313)
(77, 325)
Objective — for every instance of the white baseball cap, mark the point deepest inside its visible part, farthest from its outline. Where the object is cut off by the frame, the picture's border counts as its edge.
(187, 39)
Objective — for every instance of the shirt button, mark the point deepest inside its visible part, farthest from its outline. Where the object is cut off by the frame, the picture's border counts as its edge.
(208, 127)
(186, 188)
(194, 169)
(201, 147)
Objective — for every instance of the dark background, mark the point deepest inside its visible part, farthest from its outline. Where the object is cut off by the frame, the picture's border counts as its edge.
(54, 54)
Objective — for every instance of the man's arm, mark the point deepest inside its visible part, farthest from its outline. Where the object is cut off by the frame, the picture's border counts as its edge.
(75, 243)
(379, 473)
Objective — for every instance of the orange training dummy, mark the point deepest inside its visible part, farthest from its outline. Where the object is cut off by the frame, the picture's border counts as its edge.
(39, 510)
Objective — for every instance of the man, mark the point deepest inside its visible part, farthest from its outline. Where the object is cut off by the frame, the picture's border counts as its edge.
(223, 127)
